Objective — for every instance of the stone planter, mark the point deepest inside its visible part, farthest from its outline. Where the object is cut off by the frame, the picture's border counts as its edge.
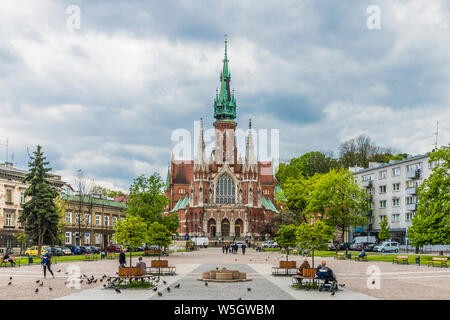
(242, 275)
(224, 276)
(235, 274)
(205, 275)
(212, 274)
(134, 271)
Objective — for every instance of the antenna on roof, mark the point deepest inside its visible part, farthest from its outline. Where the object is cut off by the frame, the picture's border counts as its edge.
(437, 135)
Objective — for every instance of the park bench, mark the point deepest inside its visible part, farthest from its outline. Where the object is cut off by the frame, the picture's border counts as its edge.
(401, 259)
(112, 256)
(358, 258)
(8, 264)
(307, 274)
(161, 267)
(340, 256)
(90, 257)
(288, 268)
(438, 261)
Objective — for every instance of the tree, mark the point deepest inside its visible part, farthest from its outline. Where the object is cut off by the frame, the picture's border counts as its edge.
(85, 187)
(337, 200)
(171, 221)
(61, 211)
(22, 239)
(431, 223)
(159, 235)
(298, 192)
(132, 231)
(147, 199)
(40, 217)
(313, 236)
(287, 237)
(384, 233)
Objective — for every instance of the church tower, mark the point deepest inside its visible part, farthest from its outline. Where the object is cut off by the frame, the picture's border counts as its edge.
(225, 112)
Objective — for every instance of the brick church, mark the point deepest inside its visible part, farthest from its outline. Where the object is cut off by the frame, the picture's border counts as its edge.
(222, 196)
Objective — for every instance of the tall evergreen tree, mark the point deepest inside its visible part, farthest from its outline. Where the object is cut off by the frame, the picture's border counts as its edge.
(40, 216)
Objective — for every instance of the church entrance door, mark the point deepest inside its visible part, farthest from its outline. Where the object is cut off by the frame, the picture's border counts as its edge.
(225, 228)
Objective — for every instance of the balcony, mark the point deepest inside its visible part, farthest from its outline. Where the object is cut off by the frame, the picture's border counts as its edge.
(413, 174)
(412, 190)
(411, 207)
(366, 184)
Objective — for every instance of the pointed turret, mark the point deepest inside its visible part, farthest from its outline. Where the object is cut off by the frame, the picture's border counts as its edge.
(201, 162)
(250, 160)
(225, 103)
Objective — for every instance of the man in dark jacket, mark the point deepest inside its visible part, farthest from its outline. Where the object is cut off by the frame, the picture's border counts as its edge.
(122, 258)
(327, 274)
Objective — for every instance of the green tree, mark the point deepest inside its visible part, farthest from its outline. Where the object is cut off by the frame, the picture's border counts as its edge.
(132, 231)
(40, 217)
(287, 237)
(431, 223)
(147, 199)
(314, 236)
(159, 235)
(384, 233)
(171, 221)
(298, 192)
(337, 200)
(23, 239)
(61, 211)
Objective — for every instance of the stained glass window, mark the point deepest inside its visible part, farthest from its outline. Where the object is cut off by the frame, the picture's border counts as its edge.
(225, 190)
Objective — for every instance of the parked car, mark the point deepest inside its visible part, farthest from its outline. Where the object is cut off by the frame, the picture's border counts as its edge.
(75, 249)
(56, 252)
(387, 246)
(239, 244)
(369, 247)
(66, 251)
(113, 248)
(85, 250)
(94, 249)
(33, 251)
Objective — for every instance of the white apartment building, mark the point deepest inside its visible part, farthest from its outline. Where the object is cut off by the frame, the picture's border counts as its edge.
(393, 188)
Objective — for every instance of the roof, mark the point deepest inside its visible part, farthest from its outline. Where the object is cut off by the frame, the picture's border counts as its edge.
(421, 156)
(182, 172)
(181, 204)
(267, 203)
(96, 201)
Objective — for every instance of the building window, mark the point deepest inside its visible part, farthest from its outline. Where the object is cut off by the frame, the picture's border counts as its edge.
(266, 192)
(396, 217)
(367, 177)
(225, 190)
(383, 203)
(382, 218)
(86, 238)
(22, 197)
(383, 174)
(97, 238)
(182, 191)
(98, 219)
(396, 186)
(396, 171)
(409, 216)
(395, 202)
(433, 164)
(411, 184)
(383, 189)
(414, 167)
(87, 219)
(77, 218)
(68, 237)
(9, 220)
(106, 221)
(9, 196)
(69, 217)
(114, 221)
(411, 200)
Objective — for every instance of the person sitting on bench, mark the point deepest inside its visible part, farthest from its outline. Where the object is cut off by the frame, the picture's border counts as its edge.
(141, 264)
(7, 259)
(362, 254)
(304, 265)
(325, 273)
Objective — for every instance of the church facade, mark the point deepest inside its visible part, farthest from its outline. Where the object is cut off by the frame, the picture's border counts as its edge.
(222, 196)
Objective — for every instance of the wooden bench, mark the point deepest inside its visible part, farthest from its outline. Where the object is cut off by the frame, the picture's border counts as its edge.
(112, 256)
(401, 259)
(307, 274)
(340, 256)
(442, 262)
(288, 268)
(161, 267)
(358, 258)
(90, 257)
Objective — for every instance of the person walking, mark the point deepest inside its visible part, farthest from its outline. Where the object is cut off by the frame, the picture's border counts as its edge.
(223, 249)
(46, 264)
(243, 248)
(122, 258)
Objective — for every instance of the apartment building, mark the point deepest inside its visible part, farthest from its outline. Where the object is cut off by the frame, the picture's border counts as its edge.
(91, 220)
(393, 192)
(12, 197)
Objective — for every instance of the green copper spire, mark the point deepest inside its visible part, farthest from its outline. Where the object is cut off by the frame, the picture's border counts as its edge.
(225, 103)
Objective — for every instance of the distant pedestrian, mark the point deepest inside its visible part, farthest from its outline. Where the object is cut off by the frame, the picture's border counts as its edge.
(223, 249)
(46, 264)
(243, 248)
(122, 259)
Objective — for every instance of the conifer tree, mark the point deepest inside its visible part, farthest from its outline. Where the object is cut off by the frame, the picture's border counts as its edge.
(40, 216)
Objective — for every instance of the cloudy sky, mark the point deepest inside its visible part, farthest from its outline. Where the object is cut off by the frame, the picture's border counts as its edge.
(106, 97)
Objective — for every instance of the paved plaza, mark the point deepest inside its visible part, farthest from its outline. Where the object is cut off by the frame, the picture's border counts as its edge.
(396, 281)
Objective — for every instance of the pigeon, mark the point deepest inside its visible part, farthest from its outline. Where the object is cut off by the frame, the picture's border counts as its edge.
(206, 284)
(10, 278)
(177, 286)
(9, 283)
(373, 282)
(168, 289)
(81, 281)
(36, 291)
(342, 285)
(95, 281)
(41, 284)
(249, 289)
(101, 280)
(160, 294)
(235, 259)
(66, 273)
(164, 282)
(50, 288)
(333, 293)
(59, 270)
(155, 288)
(38, 281)
(217, 268)
(104, 286)
(240, 298)
(117, 290)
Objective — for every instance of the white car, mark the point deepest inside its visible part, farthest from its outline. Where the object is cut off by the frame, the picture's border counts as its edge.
(269, 244)
(387, 246)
